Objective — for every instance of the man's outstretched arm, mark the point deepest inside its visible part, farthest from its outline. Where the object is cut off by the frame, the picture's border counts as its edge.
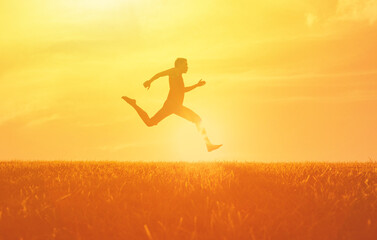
(147, 84)
(200, 83)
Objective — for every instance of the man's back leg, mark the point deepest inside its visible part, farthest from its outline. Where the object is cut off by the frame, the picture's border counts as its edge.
(161, 114)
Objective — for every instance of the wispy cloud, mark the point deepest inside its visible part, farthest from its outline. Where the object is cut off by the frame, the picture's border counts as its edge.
(43, 120)
(23, 113)
(96, 124)
(295, 78)
(346, 97)
(325, 76)
(357, 10)
(337, 87)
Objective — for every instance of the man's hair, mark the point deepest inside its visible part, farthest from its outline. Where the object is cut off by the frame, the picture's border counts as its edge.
(179, 61)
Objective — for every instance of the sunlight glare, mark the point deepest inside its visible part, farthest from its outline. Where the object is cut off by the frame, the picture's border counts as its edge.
(188, 143)
(190, 146)
(93, 4)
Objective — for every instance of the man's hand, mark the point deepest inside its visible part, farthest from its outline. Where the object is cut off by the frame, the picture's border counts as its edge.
(147, 84)
(200, 83)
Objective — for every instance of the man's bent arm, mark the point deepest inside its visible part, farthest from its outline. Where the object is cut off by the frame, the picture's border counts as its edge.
(161, 74)
(147, 84)
(187, 89)
(200, 83)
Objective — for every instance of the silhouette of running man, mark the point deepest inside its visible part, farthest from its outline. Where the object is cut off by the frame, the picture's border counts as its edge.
(174, 101)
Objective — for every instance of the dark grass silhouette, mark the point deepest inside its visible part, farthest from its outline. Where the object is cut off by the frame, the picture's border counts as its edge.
(109, 200)
(174, 101)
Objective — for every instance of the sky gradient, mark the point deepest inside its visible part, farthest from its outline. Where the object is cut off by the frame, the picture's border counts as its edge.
(286, 80)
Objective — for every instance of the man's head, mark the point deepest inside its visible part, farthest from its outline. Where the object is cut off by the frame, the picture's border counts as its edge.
(181, 64)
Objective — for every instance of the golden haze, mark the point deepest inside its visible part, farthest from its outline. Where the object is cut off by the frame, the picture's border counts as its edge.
(286, 80)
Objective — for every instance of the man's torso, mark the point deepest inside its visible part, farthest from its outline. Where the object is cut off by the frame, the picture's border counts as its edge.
(177, 89)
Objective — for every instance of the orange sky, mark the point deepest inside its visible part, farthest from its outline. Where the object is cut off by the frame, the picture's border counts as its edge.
(286, 80)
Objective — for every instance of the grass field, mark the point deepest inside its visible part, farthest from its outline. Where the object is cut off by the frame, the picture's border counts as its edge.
(110, 200)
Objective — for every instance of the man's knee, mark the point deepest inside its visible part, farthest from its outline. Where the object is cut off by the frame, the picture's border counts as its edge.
(151, 123)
